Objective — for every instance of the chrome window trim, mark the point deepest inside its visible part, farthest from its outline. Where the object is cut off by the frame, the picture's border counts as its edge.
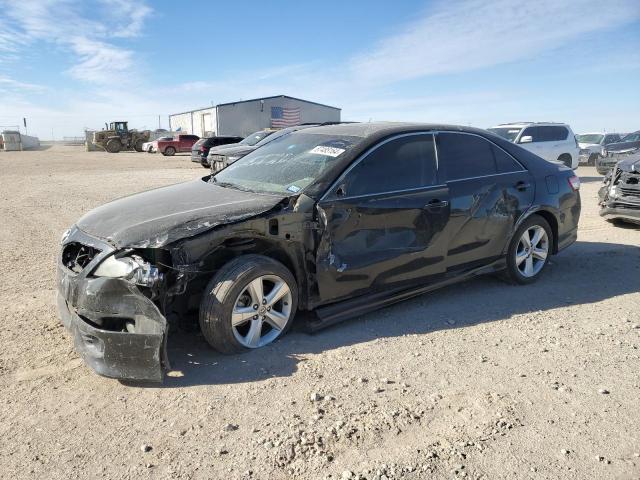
(391, 192)
(434, 134)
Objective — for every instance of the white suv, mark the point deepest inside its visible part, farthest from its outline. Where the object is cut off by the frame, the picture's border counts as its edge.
(551, 141)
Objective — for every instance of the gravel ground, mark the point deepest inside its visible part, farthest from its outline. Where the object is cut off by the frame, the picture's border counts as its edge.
(478, 380)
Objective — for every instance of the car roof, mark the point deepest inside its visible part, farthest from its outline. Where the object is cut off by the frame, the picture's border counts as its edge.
(527, 124)
(377, 129)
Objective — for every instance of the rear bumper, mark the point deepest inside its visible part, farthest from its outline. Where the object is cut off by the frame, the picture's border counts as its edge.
(196, 156)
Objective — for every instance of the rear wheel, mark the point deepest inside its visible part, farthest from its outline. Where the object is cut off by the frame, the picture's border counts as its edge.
(566, 159)
(114, 145)
(249, 303)
(529, 250)
(169, 152)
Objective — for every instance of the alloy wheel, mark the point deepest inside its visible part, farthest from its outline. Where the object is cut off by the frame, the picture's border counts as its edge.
(262, 311)
(532, 251)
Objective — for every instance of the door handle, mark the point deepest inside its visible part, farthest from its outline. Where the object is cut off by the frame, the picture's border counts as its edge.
(522, 186)
(436, 205)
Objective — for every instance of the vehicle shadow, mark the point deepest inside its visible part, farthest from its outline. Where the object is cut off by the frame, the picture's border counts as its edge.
(587, 272)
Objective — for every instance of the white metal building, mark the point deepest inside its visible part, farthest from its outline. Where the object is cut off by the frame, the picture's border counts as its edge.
(247, 116)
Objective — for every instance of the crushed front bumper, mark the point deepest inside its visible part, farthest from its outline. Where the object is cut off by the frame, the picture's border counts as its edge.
(621, 211)
(117, 330)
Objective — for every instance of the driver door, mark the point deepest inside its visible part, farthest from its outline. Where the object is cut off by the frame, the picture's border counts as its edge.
(382, 222)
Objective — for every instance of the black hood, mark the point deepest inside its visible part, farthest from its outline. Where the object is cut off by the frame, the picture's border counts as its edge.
(240, 150)
(161, 216)
(631, 164)
(622, 146)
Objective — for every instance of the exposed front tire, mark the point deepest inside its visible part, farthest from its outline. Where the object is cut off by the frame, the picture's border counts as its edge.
(249, 303)
(529, 251)
(169, 152)
(113, 145)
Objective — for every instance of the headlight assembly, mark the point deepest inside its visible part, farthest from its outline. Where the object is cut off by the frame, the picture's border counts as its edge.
(133, 268)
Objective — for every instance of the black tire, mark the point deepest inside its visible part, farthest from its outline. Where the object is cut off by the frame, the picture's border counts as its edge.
(512, 272)
(566, 159)
(138, 145)
(602, 171)
(593, 158)
(224, 288)
(113, 145)
(169, 152)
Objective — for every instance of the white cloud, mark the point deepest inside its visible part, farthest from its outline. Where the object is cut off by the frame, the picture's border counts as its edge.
(8, 84)
(472, 34)
(64, 24)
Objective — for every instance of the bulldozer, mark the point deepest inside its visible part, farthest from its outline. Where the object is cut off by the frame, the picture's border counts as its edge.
(117, 136)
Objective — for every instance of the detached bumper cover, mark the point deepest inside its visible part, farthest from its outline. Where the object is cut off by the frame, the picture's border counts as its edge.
(96, 311)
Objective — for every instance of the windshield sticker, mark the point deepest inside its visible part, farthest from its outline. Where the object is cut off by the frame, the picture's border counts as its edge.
(328, 151)
(294, 188)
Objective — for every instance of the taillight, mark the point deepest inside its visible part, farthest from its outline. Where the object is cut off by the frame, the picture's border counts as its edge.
(574, 183)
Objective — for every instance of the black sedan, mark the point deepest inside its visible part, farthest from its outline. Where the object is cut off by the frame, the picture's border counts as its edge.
(336, 220)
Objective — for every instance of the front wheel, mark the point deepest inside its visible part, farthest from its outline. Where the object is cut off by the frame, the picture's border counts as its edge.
(529, 250)
(249, 303)
(113, 145)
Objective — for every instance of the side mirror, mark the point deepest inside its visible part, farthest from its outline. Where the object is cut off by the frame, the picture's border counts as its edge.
(526, 139)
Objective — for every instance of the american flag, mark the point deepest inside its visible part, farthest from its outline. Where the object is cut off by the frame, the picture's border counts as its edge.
(282, 117)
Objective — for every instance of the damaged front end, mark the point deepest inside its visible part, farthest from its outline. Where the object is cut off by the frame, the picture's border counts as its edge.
(620, 193)
(107, 300)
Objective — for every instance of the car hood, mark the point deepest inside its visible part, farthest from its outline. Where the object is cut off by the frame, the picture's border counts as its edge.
(630, 164)
(238, 151)
(158, 217)
(222, 149)
(622, 146)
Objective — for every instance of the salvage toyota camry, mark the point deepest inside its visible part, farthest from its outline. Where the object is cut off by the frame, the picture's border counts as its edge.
(339, 220)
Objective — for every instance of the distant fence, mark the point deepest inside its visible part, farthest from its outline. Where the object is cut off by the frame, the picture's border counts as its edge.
(73, 140)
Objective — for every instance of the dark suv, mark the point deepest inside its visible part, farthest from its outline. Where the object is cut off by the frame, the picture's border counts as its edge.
(201, 148)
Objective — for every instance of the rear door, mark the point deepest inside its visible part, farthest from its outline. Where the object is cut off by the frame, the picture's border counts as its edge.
(488, 190)
(382, 223)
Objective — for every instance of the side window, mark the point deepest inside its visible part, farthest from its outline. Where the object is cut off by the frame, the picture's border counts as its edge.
(504, 162)
(406, 162)
(465, 156)
(558, 133)
(551, 134)
(533, 132)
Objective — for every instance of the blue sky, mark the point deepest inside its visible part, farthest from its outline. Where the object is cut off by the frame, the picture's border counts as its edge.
(68, 65)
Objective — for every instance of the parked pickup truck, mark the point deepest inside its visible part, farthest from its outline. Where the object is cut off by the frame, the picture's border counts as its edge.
(178, 144)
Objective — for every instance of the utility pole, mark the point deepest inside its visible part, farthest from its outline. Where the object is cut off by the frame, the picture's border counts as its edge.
(159, 127)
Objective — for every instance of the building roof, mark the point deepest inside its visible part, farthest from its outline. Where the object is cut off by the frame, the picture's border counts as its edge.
(254, 100)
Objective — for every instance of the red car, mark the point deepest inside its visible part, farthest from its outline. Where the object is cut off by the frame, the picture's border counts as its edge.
(180, 143)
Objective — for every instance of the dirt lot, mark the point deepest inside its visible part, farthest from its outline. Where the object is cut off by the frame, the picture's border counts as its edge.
(479, 380)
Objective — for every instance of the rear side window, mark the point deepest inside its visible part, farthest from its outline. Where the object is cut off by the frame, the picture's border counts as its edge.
(403, 163)
(465, 156)
(554, 134)
(504, 162)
